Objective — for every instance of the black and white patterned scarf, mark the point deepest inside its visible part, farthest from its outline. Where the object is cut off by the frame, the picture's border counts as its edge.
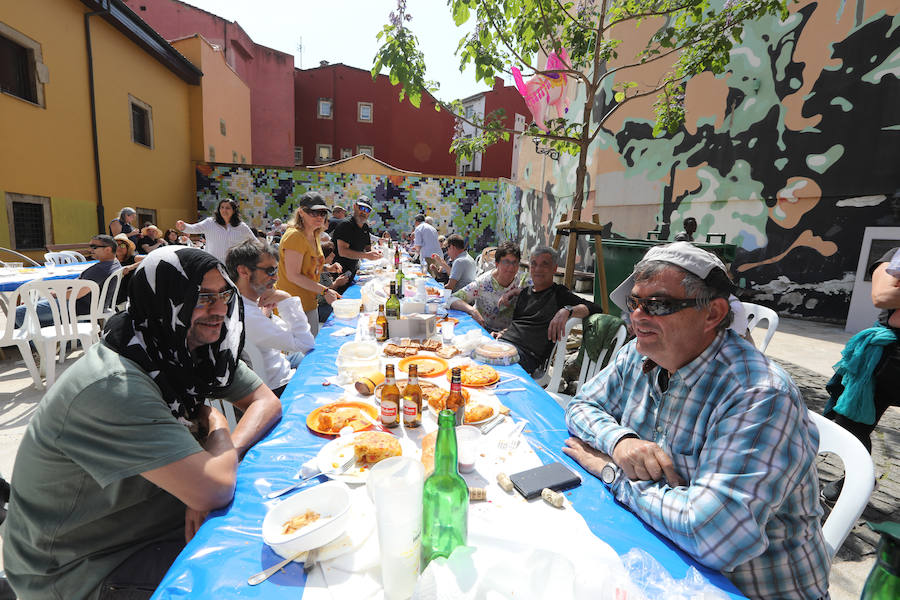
(153, 331)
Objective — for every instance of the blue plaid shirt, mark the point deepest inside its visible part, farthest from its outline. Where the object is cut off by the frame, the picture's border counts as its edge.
(737, 429)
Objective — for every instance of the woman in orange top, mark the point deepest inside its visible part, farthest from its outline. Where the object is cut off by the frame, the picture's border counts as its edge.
(301, 260)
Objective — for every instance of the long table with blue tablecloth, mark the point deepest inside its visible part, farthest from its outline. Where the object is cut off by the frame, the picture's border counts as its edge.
(229, 547)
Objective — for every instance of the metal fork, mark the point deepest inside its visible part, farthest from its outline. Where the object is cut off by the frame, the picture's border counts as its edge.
(341, 469)
(511, 442)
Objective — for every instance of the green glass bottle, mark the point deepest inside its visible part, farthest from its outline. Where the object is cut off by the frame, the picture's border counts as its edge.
(445, 497)
(392, 306)
(400, 278)
(883, 582)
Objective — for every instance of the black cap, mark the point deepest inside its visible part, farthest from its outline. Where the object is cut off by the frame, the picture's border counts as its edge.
(313, 201)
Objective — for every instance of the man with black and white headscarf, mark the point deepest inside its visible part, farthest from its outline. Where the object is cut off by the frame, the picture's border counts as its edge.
(122, 460)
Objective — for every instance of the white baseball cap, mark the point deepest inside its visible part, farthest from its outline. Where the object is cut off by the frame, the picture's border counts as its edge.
(681, 254)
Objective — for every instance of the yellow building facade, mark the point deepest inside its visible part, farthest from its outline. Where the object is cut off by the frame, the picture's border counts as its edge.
(220, 106)
(50, 181)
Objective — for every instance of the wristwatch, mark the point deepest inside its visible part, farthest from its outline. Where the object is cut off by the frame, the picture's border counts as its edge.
(569, 308)
(608, 473)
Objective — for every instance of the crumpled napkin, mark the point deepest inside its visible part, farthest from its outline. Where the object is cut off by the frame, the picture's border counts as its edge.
(343, 331)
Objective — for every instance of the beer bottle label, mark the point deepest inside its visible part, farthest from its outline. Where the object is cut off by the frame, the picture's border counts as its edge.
(388, 412)
(379, 331)
(410, 409)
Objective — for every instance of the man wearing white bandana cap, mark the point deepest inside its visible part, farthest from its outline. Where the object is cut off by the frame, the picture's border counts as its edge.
(701, 435)
(122, 460)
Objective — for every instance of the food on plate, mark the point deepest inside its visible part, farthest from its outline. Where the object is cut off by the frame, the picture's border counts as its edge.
(496, 353)
(428, 443)
(476, 375)
(371, 447)
(429, 366)
(447, 351)
(437, 397)
(431, 345)
(310, 516)
(334, 418)
(475, 412)
(478, 412)
(399, 351)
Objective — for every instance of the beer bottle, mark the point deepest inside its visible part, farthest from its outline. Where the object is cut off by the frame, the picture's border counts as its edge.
(456, 403)
(412, 399)
(445, 497)
(390, 399)
(397, 258)
(884, 580)
(381, 325)
(392, 306)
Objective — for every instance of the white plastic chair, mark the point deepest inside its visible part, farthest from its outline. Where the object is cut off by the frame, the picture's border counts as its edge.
(58, 258)
(590, 368)
(76, 256)
(757, 313)
(10, 336)
(554, 367)
(859, 480)
(109, 295)
(66, 326)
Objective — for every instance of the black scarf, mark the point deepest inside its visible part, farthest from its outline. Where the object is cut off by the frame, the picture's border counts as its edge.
(153, 331)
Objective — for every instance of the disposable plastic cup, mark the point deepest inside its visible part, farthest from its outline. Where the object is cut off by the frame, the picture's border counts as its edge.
(447, 331)
(395, 485)
(468, 439)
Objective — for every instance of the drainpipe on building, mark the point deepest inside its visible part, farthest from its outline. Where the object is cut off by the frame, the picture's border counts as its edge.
(101, 217)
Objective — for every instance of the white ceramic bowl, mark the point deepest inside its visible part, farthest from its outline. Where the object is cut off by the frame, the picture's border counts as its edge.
(330, 499)
(346, 308)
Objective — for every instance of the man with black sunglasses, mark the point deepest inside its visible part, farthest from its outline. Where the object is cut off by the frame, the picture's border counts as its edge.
(253, 266)
(701, 435)
(103, 250)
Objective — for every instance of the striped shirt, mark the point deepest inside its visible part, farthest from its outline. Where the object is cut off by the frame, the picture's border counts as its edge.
(737, 429)
(219, 240)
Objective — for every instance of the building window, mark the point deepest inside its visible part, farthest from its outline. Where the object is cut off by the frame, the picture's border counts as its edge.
(368, 150)
(141, 122)
(29, 221)
(222, 126)
(22, 71)
(145, 216)
(364, 112)
(346, 152)
(324, 108)
(212, 154)
(243, 159)
(323, 152)
(298, 155)
(469, 112)
(234, 156)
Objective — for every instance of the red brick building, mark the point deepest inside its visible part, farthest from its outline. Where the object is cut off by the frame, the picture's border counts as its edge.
(500, 159)
(341, 111)
(269, 73)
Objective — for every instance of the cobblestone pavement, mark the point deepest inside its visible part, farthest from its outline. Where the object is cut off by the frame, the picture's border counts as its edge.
(884, 505)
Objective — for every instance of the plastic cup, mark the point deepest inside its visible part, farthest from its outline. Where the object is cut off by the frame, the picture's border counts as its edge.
(447, 331)
(468, 439)
(395, 485)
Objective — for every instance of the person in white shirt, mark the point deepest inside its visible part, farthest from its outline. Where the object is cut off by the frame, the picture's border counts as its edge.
(222, 231)
(461, 268)
(425, 239)
(253, 266)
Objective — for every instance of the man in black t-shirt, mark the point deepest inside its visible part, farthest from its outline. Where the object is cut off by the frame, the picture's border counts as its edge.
(541, 311)
(353, 237)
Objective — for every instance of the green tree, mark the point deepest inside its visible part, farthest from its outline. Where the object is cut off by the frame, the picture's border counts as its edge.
(692, 36)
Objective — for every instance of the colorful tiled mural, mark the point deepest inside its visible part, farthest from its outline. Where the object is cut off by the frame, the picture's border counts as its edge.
(791, 154)
(463, 205)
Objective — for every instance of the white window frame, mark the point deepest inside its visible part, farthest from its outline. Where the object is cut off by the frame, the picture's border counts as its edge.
(41, 73)
(359, 112)
(367, 150)
(222, 128)
(44, 201)
(346, 153)
(319, 158)
(132, 101)
(212, 154)
(322, 103)
(298, 155)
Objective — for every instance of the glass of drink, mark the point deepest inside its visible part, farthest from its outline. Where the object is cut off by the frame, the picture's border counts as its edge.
(395, 485)
(447, 332)
(468, 439)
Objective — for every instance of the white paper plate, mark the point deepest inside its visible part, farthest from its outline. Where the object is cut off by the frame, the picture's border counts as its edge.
(338, 450)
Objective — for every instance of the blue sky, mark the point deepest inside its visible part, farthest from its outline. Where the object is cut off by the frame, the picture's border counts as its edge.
(344, 31)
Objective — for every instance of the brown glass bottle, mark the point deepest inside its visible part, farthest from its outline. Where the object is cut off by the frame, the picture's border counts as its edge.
(381, 325)
(456, 403)
(390, 399)
(397, 258)
(412, 399)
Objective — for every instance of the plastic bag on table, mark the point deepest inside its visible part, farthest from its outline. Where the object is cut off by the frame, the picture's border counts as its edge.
(655, 583)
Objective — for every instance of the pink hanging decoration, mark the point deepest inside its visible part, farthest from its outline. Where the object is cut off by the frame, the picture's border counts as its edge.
(542, 91)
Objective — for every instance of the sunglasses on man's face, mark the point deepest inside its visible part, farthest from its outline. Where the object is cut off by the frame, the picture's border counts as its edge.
(95, 246)
(206, 299)
(270, 271)
(660, 307)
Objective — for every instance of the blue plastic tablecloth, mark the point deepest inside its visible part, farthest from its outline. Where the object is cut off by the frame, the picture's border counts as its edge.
(229, 547)
(14, 283)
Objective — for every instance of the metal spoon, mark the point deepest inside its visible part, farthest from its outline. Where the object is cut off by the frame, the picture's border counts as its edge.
(263, 575)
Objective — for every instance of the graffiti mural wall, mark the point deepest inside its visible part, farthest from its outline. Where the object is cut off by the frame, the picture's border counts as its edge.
(463, 205)
(791, 154)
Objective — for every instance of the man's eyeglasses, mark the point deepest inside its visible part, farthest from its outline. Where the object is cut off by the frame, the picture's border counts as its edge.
(364, 209)
(206, 299)
(95, 246)
(270, 271)
(510, 262)
(660, 307)
(318, 213)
